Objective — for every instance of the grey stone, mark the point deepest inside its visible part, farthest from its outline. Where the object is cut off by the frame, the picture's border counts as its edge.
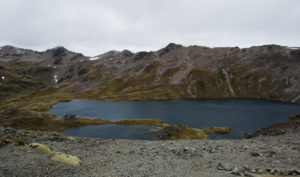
(275, 171)
(246, 168)
(248, 174)
(189, 149)
(259, 171)
(255, 154)
(235, 171)
(224, 167)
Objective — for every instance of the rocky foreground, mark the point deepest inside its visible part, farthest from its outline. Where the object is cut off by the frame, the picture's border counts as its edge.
(260, 156)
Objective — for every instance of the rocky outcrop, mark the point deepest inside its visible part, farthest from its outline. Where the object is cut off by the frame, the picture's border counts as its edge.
(292, 124)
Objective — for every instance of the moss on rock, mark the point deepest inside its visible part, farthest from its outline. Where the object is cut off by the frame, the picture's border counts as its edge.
(56, 156)
(41, 148)
(70, 138)
(65, 158)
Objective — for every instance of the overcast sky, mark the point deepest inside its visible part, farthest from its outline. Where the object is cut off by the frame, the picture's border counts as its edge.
(96, 26)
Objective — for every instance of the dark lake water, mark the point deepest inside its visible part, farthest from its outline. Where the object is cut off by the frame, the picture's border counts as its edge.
(240, 115)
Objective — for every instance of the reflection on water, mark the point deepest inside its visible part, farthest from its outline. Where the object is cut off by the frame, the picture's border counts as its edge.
(114, 131)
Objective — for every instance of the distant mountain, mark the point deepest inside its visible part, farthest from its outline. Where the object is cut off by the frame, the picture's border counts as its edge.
(173, 72)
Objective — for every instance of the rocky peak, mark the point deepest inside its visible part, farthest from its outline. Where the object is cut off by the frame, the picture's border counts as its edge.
(12, 49)
(142, 55)
(109, 55)
(172, 46)
(59, 51)
(169, 48)
(126, 53)
(8, 47)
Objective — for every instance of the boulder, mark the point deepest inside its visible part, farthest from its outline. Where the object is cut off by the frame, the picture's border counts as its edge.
(41, 148)
(189, 149)
(65, 158)
(255, 154)
(224, 167)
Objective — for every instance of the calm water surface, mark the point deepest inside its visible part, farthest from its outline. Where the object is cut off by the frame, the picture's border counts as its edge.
(238, 114)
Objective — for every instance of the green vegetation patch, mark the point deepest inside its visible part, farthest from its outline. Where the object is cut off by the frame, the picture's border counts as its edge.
(18, 141)
(4, 141)
(173, 132)
(217, 130)
(147, 122)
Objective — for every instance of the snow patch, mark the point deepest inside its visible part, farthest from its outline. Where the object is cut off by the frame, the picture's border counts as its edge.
(94, 58)
(55, 78)
(2, 78)
(294, 48)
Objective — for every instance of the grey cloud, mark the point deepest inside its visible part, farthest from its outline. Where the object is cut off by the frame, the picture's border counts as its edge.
(96, 26)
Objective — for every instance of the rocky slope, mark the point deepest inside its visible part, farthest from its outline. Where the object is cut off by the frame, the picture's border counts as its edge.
(292, 124)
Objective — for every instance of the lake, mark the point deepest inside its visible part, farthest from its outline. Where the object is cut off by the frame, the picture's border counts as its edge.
(241, 115)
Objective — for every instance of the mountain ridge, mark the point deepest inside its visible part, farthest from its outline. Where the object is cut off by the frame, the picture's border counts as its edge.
(173, 72)
(168, 46)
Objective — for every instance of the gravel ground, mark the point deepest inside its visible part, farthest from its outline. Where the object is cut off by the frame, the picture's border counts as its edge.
(107, 157)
